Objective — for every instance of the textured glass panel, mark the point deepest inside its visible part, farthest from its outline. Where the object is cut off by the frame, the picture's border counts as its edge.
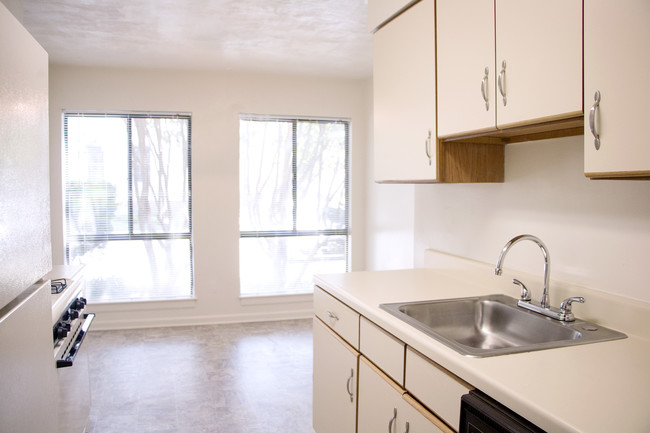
(136, 270)
(265, 175)
(160, 173)
(286, 265)
(321, 201)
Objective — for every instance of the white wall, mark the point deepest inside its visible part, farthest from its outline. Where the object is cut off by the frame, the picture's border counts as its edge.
(598, 232)
(215, 100)
(389, 215)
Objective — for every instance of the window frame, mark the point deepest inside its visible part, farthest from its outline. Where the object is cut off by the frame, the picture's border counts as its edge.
(294, 231)
(131, 235)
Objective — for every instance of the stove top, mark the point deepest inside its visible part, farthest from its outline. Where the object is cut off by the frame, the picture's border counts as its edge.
(58, 285)
(66, 284)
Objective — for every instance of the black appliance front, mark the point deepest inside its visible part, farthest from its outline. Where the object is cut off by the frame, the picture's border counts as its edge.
(482, 414)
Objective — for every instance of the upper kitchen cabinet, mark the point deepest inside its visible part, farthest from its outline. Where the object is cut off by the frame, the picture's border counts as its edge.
(466, 86)
(539, 59)
(405, 136)
(617, 85)
(508, 64)
(404, 71)
(380, 11)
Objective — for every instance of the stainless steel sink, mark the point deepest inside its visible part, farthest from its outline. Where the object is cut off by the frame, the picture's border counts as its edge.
(494, 325)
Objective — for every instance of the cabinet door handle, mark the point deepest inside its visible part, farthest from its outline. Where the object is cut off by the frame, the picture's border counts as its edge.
(348, 385)
(392, 421)
(502, 82)
(332, 316)
(406, 429)
(592, 119)
(427, 146)
(484, 88)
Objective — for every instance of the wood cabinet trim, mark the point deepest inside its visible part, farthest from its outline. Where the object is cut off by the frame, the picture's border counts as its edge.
(540, 130)
(620, 175)
(465, 162)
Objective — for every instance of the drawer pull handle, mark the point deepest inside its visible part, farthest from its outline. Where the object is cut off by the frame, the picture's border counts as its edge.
(592, 120)
(427, 146)
(348, 385)
(332, 316)
(484, 89)
(392, 421)
(502, 83)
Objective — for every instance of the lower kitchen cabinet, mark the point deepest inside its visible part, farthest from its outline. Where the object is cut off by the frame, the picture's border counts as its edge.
(335, 382)
(384, 406)
(368, 390)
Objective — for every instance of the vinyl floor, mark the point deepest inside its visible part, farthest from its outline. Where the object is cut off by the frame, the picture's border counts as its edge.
(250, 377)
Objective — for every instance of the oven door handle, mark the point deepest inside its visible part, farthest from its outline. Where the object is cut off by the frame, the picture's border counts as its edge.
(68, 359)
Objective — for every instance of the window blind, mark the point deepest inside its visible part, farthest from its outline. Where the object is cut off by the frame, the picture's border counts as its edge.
(294, 202)
(128, 205)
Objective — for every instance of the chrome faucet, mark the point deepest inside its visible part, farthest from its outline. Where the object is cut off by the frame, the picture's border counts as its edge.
(546, 301)
(544, 306)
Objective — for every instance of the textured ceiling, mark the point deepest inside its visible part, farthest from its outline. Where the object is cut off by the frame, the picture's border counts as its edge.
(306, 37)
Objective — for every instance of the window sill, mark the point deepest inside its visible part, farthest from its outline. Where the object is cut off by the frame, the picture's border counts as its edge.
(164, 304)
(276, 299)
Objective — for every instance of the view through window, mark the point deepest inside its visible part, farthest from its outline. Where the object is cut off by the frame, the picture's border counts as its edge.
(294, 202)
(128, 208)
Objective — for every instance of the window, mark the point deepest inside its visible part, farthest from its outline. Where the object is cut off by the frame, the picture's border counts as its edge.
(294, 201)
(128, 204)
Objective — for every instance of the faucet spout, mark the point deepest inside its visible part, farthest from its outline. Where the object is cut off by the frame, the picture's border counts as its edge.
(545, 301)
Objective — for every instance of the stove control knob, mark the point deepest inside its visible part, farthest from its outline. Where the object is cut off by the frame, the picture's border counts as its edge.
(60, 332)
(74, 314)
(78, 304)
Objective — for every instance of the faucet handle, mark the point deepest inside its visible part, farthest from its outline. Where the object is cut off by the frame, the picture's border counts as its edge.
(565, 306)
(525, 294)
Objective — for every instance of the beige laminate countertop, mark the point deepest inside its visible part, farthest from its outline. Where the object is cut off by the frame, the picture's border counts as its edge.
(602, 387)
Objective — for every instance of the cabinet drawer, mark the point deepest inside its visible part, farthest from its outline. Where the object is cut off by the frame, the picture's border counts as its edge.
(384, 350)
(435, 387)
(342, 319)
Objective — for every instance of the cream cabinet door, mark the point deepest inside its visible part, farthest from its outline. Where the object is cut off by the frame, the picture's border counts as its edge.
(617, 65)
(404, 81)
(466, 66)
(383, 407)
(539, 59)
(335, 382)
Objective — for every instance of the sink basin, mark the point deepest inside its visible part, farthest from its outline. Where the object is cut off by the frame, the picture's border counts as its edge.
(494, 325)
